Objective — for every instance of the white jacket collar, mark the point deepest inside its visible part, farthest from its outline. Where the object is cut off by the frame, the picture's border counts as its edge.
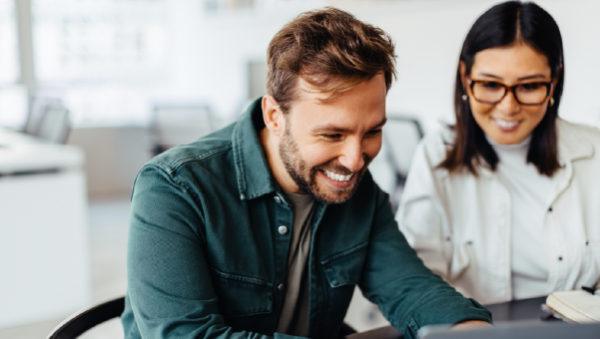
(571, 146)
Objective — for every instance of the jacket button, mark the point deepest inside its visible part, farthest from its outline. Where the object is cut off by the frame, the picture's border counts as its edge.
(280, 288)
(559, 258)
(550, 209)
(278, 199)
(282, 230)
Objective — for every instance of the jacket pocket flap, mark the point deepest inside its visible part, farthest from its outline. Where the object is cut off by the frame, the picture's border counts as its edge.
(241, 296)
(345, 267)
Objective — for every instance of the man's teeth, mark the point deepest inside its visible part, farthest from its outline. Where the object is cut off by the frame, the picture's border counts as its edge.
(338, 177)
(506, 124)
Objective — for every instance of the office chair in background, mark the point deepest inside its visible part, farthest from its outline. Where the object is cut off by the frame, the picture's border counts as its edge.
(179, 124)
(48, 120)
(401, 135)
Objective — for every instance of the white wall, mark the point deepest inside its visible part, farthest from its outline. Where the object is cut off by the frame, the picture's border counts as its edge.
(210, 53)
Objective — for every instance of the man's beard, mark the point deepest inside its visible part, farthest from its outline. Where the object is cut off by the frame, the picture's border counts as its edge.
(306, 178)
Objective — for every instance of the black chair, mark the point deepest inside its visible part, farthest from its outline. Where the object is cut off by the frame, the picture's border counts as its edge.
(84, 320)
(80, 322)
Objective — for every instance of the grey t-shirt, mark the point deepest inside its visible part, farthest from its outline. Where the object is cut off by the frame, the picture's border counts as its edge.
(294, 315)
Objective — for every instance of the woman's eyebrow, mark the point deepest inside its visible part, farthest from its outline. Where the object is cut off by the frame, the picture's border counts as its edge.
(490, 75)
(535, 76)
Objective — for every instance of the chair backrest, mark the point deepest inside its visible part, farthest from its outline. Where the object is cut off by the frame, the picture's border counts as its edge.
(80, 322)
(55, 125)
(179, 124)
(37, 108)
(401, 135)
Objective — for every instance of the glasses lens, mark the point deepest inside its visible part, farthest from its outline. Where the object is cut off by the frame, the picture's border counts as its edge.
(488, 91)
(532, 93)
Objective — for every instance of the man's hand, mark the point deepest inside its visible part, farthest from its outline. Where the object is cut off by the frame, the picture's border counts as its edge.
(471, 324)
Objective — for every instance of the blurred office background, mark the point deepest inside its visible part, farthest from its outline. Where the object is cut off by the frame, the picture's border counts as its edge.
(91, 89)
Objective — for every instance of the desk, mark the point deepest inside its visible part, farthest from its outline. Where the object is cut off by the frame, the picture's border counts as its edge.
(516, 310)
(44, 246)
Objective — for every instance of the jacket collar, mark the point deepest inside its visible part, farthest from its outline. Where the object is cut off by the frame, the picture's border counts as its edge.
(254, 176)
(571, 145)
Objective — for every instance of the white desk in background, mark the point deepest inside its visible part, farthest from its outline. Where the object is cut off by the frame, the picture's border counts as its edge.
(44, 246)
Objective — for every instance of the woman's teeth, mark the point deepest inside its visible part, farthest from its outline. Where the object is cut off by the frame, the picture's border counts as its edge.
(506, 124)
(337, 177)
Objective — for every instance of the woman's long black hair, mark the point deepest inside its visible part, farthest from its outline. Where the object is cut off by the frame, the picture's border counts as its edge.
(504, 25)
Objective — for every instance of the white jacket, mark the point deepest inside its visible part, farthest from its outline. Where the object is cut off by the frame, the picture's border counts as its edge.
(459, 224)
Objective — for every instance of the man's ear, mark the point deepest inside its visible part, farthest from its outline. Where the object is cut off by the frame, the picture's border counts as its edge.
(273, 116)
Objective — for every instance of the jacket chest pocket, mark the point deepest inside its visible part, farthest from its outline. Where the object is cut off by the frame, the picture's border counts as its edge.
(345, 268)
(241, 296)
(343, 271)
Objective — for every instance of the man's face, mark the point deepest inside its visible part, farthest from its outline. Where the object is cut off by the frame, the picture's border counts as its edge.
(327, 146)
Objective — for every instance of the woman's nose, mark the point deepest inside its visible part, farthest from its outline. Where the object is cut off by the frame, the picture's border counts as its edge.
(509, 104)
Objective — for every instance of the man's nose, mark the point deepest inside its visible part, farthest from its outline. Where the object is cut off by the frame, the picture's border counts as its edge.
(352, 156)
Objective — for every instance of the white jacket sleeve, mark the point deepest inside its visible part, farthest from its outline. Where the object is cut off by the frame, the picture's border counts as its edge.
(423, 213)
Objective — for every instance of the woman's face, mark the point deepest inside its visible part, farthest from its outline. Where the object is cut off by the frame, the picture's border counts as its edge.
(508, 122)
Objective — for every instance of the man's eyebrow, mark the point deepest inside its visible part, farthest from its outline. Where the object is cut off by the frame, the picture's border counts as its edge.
(380, 125)
(337, 129)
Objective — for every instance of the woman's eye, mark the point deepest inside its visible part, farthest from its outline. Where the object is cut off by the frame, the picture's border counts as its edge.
(531, 87)
(491, 85)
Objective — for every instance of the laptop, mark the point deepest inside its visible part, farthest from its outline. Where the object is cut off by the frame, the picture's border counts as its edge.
(517, 330)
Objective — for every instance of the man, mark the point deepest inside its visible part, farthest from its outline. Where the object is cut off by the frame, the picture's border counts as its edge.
(264, 228)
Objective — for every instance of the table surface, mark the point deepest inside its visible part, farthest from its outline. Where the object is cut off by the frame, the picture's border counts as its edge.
(515, 310)
(23, 153)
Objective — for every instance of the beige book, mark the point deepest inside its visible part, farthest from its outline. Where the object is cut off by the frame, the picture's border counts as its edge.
(577, 306)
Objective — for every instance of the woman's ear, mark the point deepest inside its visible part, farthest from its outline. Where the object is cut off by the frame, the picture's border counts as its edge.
(273, 116)
(555, 81)
(462, 67)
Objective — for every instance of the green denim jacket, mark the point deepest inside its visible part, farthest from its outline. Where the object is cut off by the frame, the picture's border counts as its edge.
(206, 260)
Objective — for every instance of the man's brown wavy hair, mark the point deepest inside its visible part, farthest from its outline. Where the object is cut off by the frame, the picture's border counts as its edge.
(323, 47)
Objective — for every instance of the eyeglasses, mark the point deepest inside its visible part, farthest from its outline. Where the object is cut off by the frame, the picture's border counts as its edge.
(492, 92)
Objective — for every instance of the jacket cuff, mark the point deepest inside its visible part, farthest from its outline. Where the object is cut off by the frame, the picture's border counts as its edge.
(475, 311)
(286, 336)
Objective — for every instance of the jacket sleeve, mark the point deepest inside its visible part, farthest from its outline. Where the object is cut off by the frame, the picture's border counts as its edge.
(422, 214)
(169, 285)
(408, 293)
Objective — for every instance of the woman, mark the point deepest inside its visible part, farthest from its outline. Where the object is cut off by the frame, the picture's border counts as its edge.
(503, 205)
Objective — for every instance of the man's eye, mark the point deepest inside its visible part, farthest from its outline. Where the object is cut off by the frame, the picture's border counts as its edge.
(374, 133)
(332, 136)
